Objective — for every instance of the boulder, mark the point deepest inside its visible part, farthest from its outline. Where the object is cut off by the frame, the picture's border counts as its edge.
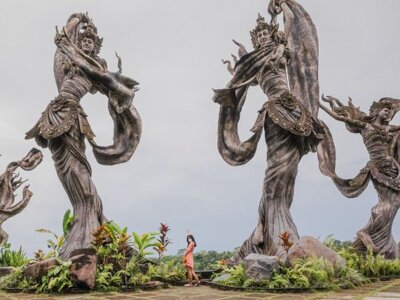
(260, 267)
(40, 268)
(221, 277)
(83, 267)
(6, 270)
(308, 246)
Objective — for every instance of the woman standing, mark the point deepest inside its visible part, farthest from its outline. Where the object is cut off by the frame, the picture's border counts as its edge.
(189, 262)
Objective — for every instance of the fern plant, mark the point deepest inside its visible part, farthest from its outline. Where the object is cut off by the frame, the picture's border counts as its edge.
(167, 272)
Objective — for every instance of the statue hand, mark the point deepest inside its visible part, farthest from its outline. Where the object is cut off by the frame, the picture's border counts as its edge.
(242, 50)
(83, 17)
(27, 194)
(229, 66)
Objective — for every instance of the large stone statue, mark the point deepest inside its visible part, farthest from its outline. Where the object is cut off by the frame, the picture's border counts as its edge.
(289, 116)
(9, 183)
(383, 169)
(64, 126)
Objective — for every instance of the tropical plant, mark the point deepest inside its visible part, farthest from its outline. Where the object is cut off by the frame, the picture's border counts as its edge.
(306, 273)
(163, 240)
(57, 278)
(236, 276)
(107, 279)
(167, 272)
(17, 280)
(136, 277)
(286, 242)
(12, 258)
(143, 242)
(57, 242)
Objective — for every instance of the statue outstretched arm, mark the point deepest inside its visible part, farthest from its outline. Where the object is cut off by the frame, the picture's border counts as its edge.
(342, 113)
(9, 183)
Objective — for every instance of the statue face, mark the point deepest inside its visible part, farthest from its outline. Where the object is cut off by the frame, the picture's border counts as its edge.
(385, 114)
(87, 45)
(263, 37)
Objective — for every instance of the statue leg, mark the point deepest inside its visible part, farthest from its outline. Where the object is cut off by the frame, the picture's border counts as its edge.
(283, 156)
(73, 169)
(378, 231)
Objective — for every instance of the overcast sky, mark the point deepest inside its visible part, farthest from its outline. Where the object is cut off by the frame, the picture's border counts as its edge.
(174, 49)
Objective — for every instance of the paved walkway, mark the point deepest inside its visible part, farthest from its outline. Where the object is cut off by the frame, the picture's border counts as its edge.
(379, 290)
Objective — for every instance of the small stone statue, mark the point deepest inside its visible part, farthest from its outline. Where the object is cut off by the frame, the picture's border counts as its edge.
(285, 66)
(9, 183)
(383, 145)
(64, 125)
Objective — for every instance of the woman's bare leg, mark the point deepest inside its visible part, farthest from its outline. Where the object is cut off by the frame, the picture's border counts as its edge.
(190, 272)
(195, 277)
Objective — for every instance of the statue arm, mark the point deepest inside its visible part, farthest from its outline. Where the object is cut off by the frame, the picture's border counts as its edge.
(394, 128)
(17, 208)
(335, 105)
(71, 27)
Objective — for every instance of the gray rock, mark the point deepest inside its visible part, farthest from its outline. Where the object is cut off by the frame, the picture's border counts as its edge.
(83, 267)
(308, 246)
(6, 270)
(260, 267)
(40, 268)
(222, 277)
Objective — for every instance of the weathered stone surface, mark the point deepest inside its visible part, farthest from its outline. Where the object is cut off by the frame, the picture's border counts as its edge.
(287, 118)
(9, 183)
(83, 267)
(71, 127)
(308, 246)
(6, 270)
(260, 267)
(40, 268)
(221, 278)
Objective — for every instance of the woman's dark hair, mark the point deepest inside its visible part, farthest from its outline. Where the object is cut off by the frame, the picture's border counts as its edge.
(192, 238)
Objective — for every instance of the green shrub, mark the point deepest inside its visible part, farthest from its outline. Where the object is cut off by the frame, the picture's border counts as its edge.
(17, 280)
(57, 279)
(167, 272)
(12, 258)
(237, 276)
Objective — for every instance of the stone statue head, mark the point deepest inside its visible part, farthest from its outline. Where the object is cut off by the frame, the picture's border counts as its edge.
(264, 32)
(384, 108)
(89, 41)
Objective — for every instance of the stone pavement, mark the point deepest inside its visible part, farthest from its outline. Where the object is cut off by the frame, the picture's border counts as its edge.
(386, 290)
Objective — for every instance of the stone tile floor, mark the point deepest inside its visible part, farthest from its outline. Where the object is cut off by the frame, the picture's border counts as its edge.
(385, 290)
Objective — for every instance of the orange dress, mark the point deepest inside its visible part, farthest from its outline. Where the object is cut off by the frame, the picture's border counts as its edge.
(189, 256)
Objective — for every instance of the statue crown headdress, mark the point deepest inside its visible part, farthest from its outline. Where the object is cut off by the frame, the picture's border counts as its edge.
(90, 31)
(262, 25)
